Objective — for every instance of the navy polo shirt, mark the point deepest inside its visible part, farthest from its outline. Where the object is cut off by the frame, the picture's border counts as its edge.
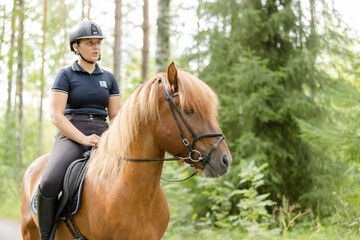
(87, 93)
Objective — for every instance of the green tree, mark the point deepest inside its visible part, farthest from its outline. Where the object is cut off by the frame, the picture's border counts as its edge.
(258, 54)
(337, 135)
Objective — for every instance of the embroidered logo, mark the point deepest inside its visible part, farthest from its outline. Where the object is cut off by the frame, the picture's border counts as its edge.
(103, 84)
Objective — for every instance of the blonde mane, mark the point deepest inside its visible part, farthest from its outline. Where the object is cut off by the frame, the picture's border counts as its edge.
(140, 109)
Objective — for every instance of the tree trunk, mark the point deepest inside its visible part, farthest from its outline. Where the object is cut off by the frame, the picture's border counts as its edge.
(145, 50)
(42, 77)
(11, 63)
(163, 36)
(198, 15)
(64, 47)
(312, 46)
(89, 9)
(117, 42)
(9, 133)
(19, 87)
(4, 19)
(83, 10)
(85, 13)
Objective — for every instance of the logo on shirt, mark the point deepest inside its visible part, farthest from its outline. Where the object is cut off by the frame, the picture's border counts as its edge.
(103, 84)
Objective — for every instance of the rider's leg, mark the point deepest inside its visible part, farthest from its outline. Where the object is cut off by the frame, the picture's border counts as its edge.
(64, 152)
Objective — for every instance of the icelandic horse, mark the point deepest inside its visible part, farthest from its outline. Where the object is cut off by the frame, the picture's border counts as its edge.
(123, 199)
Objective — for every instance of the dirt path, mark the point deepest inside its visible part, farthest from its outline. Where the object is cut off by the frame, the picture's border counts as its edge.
(9, 229)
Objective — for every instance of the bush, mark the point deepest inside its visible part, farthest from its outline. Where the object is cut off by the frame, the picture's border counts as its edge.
(207, 204)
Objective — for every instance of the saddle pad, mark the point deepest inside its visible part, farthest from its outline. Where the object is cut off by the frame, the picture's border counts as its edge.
(74, 208)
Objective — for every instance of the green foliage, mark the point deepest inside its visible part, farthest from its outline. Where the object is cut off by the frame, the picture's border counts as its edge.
(219, 203)
(261, 72)
(10, 183)
(337, 134)
(239, 206)
(8, 141)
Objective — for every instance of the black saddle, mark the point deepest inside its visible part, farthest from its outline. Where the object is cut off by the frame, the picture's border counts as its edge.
(70, 197)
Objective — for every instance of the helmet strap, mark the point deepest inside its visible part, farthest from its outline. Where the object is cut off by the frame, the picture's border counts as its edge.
(86, 59)
(77, 52)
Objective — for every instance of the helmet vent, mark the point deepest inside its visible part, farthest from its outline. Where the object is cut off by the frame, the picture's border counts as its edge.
(94, 30)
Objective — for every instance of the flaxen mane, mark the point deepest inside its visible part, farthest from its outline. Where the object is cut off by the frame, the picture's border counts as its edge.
(141, 108)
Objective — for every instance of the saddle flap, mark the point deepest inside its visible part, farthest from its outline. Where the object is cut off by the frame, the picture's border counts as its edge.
(72, 186)
(73, 181)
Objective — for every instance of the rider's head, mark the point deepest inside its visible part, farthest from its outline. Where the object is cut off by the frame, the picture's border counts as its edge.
(85, 40)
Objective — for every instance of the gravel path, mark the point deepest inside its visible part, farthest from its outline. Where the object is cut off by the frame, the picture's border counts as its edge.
(9, 229)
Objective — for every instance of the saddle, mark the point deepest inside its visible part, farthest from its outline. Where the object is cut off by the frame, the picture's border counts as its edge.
(70, 196)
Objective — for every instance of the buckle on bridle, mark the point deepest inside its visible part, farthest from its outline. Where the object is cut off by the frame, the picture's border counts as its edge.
(186, 142)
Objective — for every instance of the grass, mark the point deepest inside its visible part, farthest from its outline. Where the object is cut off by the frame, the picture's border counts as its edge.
(318, 232)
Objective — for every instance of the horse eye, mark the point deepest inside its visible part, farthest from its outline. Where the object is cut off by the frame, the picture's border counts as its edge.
(189, 111)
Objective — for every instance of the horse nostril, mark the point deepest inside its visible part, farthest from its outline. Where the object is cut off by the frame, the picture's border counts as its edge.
(226, 160)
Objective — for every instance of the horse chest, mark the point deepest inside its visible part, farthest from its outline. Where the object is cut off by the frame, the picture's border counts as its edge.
(128, 217)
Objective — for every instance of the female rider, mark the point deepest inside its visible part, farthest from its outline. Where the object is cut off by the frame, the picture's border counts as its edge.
(82, 96)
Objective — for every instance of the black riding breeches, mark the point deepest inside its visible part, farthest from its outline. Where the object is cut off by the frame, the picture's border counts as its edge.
(65, 151)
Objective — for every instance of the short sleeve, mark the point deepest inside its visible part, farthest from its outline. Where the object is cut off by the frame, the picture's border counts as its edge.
(61, 83)
(114, 91)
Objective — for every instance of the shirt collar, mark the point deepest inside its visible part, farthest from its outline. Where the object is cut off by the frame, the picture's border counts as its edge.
(77, 68)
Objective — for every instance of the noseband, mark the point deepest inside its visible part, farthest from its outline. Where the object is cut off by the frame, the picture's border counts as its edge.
(191, 147)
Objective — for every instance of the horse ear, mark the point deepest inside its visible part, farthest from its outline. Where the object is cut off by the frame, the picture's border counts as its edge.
(172, 76)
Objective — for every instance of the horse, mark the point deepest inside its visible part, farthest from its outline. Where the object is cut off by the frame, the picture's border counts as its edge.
(122, 197)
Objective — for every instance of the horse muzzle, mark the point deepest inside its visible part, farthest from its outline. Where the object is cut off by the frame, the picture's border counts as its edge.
(216, 165)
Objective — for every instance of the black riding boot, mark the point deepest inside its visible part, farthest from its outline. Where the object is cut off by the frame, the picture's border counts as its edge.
(46, 208)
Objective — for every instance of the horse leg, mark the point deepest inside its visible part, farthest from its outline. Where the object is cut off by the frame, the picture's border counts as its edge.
(29, 229)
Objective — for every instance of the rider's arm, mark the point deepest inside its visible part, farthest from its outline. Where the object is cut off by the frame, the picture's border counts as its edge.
(57, 108)
(113, 106)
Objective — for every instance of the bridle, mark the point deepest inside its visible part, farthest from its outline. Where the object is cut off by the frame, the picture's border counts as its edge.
(191, 147)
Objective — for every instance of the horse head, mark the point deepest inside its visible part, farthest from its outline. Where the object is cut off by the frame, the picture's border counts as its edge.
(187, 124)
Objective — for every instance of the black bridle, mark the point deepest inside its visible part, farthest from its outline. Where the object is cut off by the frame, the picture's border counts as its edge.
(191, 147)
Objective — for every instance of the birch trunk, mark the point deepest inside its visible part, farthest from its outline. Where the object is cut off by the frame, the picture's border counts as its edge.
(117, 42)
(145, 50)
(163, 36)
(11, 63)
(42, 77)
(19, 88)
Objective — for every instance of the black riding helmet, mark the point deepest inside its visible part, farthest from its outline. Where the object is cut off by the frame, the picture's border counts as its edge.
(84, 29)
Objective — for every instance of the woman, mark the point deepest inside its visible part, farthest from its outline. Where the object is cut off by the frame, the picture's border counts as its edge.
(82, 96)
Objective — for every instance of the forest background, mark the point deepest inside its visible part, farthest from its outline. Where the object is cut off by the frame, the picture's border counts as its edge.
(286, 73)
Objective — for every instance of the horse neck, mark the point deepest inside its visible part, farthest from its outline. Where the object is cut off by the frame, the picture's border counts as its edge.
(139, 177)
(148, 172)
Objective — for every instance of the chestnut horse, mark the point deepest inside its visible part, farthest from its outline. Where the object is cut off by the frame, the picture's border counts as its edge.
(122, 197)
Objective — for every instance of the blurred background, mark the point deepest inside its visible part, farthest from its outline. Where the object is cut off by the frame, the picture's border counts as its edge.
(286, 73)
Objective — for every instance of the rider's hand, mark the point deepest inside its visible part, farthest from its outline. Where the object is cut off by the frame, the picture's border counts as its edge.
(91, 140)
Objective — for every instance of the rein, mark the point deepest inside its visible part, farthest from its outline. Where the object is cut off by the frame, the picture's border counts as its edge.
(204, 158)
